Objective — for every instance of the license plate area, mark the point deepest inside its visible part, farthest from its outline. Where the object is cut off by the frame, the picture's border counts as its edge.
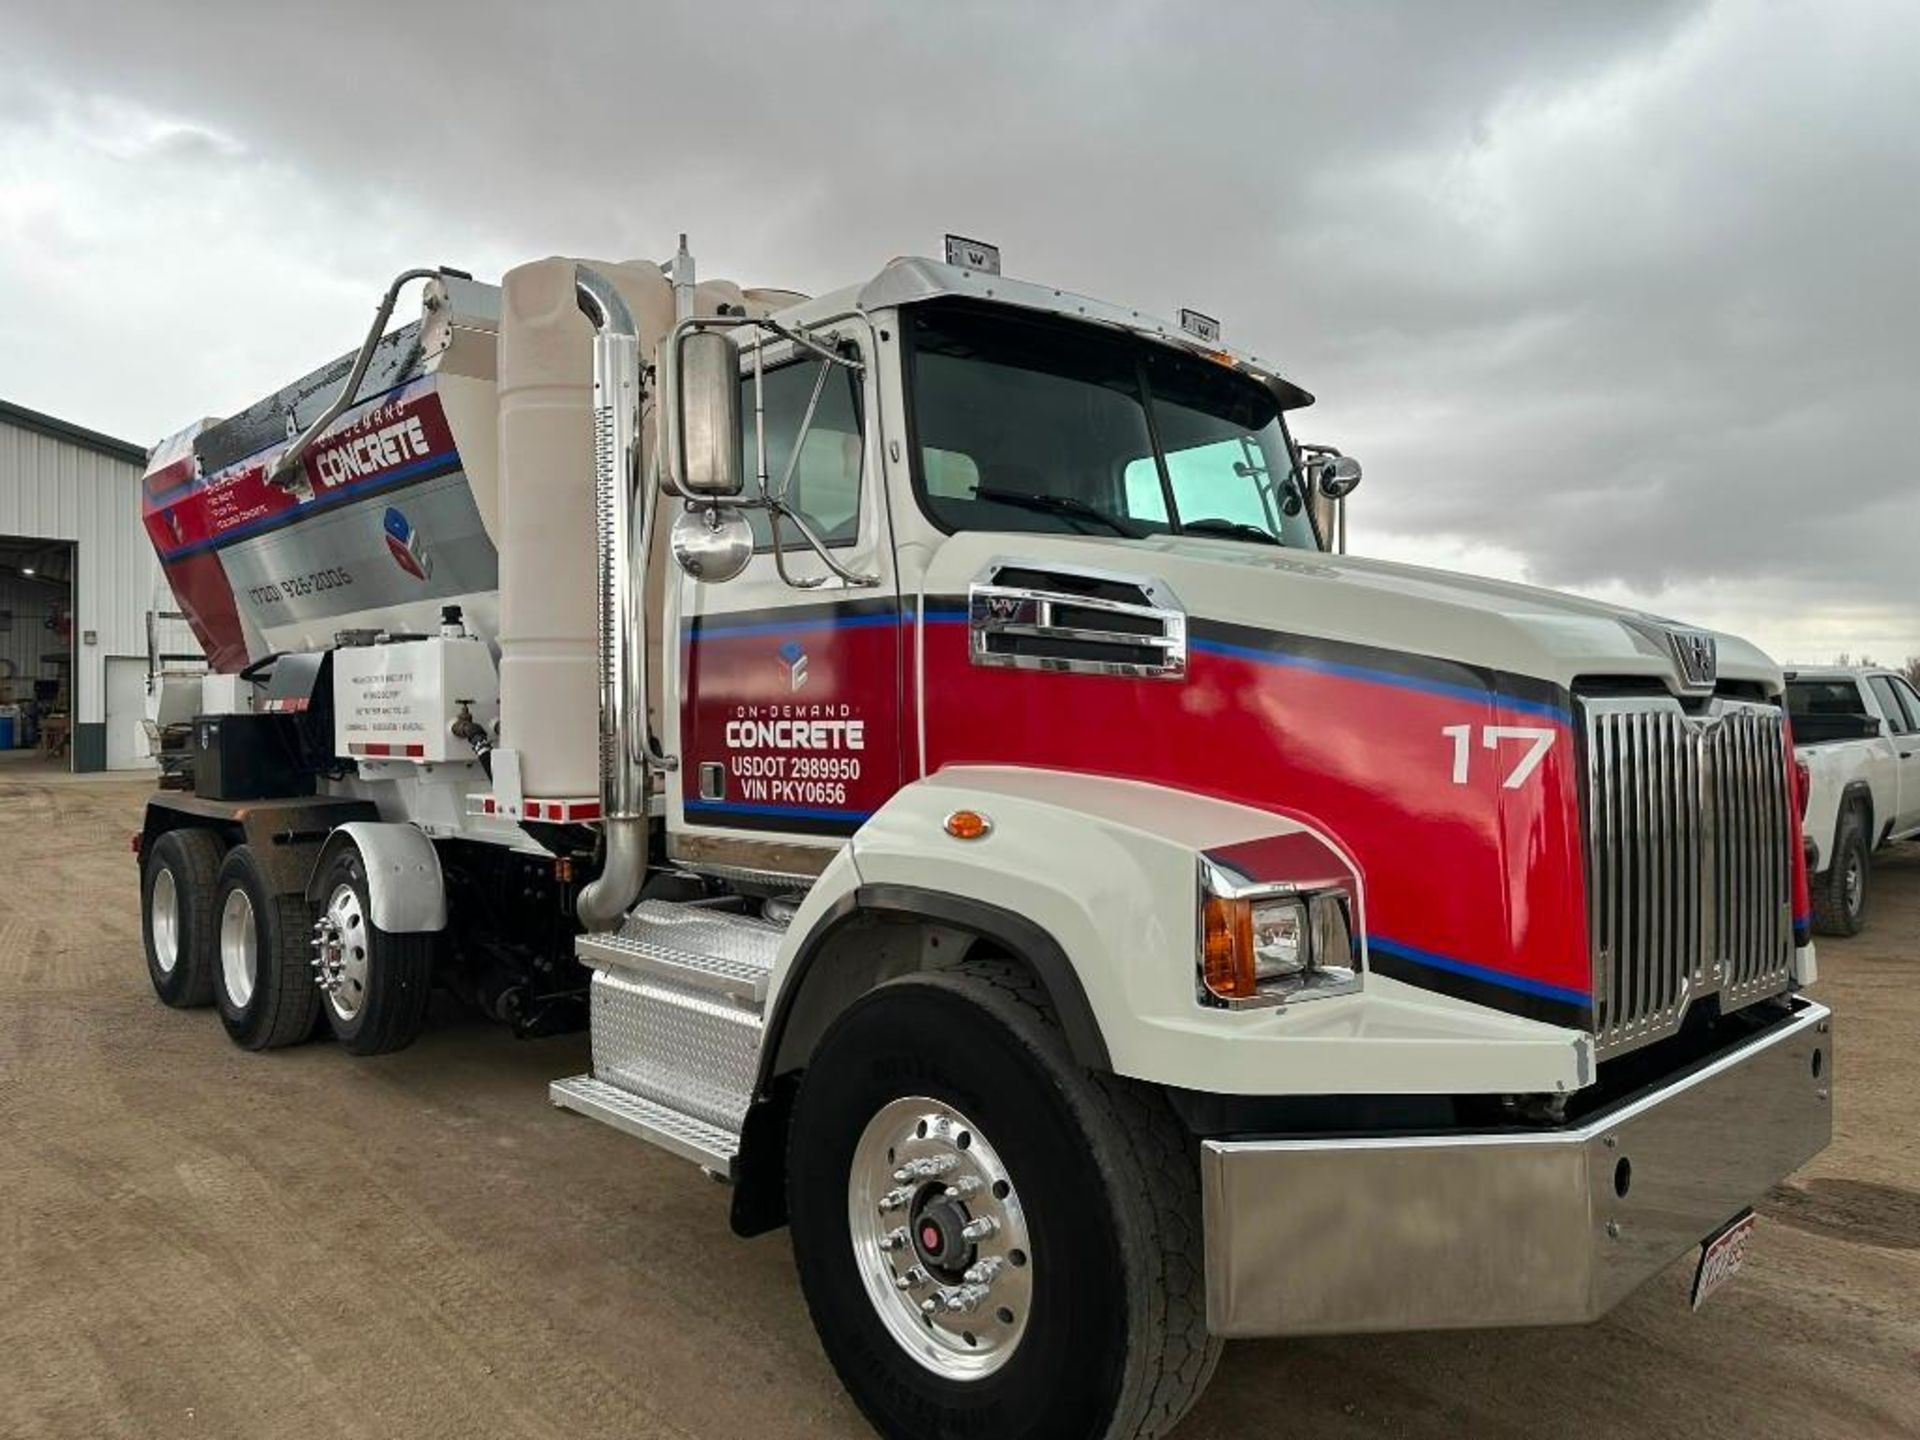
(1722, 1254)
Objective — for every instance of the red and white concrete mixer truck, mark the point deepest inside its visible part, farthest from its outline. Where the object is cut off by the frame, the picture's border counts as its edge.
(926, 735)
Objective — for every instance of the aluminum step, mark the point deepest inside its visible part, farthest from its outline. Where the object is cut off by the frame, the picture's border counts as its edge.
(702, 949)
(708, 1146)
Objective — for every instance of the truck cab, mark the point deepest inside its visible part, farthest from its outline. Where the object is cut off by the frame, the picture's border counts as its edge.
(930, 737)
(1857, 731)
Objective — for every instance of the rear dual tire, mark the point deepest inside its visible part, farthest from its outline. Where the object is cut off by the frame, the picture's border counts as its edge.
(263, 981)
(178, 923)
(375, 983)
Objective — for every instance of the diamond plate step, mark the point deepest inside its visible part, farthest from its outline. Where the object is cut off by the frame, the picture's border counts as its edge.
(706, 1145)
(709, 950)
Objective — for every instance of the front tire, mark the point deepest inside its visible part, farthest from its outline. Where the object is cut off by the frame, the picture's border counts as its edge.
(1840, 895)
(1079, 1311)
(177, 920)
(375, 983)
(262, 982)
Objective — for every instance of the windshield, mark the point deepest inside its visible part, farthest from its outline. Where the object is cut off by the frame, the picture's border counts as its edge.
(1024, 423)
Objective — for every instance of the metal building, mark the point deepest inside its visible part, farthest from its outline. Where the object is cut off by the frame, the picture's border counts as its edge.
(77, 595)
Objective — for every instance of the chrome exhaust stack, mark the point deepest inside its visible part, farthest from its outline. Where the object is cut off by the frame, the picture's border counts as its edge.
(621, 532)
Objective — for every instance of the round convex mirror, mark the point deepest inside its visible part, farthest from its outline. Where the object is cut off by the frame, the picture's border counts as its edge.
(713, 544)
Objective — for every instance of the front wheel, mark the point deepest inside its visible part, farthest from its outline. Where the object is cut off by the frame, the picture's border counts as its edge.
(992, 1240)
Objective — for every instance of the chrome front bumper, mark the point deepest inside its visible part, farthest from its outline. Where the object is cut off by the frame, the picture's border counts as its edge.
(1319, 1236)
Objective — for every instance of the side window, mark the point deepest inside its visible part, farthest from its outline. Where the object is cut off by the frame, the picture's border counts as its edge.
(1911, 700)
(1890, 704)
(826, 482)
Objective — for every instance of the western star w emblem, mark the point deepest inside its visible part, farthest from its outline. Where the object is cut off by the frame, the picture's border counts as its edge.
(1697, 656)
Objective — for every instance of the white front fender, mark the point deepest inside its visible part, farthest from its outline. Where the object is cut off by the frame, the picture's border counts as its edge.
(1109, 870)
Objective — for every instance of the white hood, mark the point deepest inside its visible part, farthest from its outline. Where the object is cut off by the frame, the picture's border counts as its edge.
(1517, 628)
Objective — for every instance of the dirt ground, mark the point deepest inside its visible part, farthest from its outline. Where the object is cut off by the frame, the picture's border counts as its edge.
(197, 1241)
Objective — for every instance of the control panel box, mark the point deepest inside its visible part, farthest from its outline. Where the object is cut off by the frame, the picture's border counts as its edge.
(403, 700)
(247, 757)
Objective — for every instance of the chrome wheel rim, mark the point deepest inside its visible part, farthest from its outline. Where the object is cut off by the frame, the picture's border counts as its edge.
(239, 960)
(340, 942)
(163, 920)
(1852, 882)
(940, 1238)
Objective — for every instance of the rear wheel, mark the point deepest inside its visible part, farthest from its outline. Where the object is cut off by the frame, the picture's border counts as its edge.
(992, 1240)
(1840, 894)
(375, 983)
(177, 920)
(262, 982)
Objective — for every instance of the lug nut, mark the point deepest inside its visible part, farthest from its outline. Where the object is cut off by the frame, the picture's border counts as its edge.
(913, 1279)
(894, 1200)
(980, 1229)
(894, 1239)
(928, 1168)
(963, 1299)
(963, 1187)
(982, 1272)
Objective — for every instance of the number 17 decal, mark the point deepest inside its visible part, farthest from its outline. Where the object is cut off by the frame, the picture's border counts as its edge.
(1539, 741)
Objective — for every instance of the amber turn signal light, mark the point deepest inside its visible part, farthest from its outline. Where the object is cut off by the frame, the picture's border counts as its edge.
(967, 825)
(1227, 948)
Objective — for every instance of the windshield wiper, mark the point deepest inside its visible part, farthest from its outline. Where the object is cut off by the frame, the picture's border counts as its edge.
(1068, 505)
(1230, 527)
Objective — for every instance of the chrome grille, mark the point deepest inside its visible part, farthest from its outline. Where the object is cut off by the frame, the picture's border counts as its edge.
(1689, 849)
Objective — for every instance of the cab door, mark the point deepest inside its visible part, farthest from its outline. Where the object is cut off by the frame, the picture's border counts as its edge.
(1901, 705)
(789, 684)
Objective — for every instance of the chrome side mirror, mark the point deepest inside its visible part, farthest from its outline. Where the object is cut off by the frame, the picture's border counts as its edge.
(1330, 477)
(1338, 475)
(711, 544)
(1324, 511)
(705, 384)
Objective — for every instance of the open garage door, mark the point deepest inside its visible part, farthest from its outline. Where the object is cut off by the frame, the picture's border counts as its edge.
(36, 651)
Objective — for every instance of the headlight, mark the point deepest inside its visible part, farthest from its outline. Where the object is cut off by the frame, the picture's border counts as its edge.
(1267, 947)
(1280, 944)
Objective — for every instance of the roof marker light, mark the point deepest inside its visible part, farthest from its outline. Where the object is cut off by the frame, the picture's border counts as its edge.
(973, 255)
(1202, 327)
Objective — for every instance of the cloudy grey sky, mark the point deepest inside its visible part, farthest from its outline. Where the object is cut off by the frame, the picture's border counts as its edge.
(1618, 297)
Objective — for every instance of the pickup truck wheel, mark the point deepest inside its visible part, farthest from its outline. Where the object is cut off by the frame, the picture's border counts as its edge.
(375, 984)
(991, 1239)
(261, 983)
(177, 921)
(1840, 895)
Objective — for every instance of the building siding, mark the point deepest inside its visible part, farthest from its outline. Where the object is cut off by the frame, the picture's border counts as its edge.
(55, 488)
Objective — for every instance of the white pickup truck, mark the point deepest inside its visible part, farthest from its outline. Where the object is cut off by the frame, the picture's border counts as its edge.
(1858, 730)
